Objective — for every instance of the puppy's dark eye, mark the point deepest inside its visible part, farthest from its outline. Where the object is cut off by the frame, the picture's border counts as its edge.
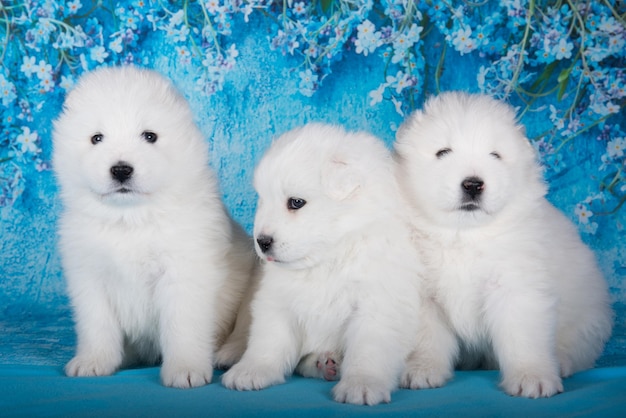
(96, 139)
(295, 203)
(149, 137)
(496, 155)
(442, 152)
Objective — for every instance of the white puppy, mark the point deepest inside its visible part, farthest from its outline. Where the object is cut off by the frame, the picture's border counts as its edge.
(155, 268)
(340, 276)
(516, 286)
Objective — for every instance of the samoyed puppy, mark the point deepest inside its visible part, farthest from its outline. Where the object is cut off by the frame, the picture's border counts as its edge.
(340, 281)
(155, 267)
(515, 287)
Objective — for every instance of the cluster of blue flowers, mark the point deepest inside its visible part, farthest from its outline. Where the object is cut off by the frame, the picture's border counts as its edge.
(568, 58)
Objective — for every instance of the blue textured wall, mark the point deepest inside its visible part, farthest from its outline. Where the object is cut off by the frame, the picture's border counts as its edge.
(264, 91)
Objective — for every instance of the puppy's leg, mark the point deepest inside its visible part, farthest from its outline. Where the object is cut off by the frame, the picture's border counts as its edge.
(235, 345)
(378, 339)
(431, 364)
(186, 306)
(272, 350)
(522, 323)
(100, 348)
(320, 366)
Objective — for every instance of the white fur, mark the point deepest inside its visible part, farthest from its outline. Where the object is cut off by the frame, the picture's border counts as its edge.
(157, 272)
(512, 284)
(340, 276)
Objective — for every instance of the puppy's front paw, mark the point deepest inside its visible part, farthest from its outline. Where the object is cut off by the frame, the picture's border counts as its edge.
(184, 377)
(361, 390)
(243, 377)
(424, 377)
(92, 365)
(532, 384)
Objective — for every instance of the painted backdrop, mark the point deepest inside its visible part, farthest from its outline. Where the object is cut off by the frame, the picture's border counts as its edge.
(255, 69)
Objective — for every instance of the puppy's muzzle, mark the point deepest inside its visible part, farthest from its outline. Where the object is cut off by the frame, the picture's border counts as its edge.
(265, 243)
(473, 187)
(122, 172)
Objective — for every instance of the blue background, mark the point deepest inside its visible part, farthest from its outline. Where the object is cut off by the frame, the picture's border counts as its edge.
(261, 94)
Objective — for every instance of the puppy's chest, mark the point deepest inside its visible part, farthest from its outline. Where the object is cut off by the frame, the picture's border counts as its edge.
(136, 267)
(138, 263)
(322, 311)
(460, 279)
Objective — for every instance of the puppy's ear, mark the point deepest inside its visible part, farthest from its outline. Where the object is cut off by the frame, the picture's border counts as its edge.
(409, 123)
(340, 179)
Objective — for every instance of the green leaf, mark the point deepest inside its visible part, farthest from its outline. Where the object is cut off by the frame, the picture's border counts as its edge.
(563, 78)
(564, 75)
(326, 5)
(544, 76)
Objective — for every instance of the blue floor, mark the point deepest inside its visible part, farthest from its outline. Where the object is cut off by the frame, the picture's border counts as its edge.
(36, 344)
(28, 391)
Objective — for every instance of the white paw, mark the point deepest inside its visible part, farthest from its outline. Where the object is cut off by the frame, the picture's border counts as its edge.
(320, 366)
(90, 365)
(184, 377)
(360, 390)
(532, 385)
(328, 366)
(424, 377)
(242, 377)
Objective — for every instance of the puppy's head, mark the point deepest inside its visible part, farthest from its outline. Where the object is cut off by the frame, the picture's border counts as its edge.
(464, 160)
(315, 185)
(125, 135)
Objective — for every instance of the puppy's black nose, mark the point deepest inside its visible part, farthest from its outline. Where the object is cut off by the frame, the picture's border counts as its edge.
(121, 171)
(265, 242)
(473, 186)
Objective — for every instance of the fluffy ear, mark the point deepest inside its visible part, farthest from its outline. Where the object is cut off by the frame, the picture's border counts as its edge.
(340, 179)
(409, 123)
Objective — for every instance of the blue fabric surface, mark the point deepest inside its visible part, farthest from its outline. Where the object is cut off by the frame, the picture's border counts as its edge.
(30, 391)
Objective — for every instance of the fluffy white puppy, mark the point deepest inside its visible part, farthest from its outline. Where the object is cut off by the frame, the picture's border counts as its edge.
(516, 287)
(155, 268)
(339, 274)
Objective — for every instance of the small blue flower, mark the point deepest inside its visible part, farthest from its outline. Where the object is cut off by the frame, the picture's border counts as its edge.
(563, 50)
(28, 141)
(98, 54)
(308, 82)
(463, 41)
(29, 66)
(73, 7)
(183, 54)
(7, 91)
(368, 39)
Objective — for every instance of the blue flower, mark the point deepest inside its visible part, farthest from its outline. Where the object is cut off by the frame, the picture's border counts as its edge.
(29, 65)
(128, 19)
(299, 8)
(11, 183)
(183, 54)
(308, 82)
(437, 9)
(463, 41)
(563, 49)
(43, 70)
(368, 39)
(28, 141)
(73, 7)
(7, 91)
(98, 54)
